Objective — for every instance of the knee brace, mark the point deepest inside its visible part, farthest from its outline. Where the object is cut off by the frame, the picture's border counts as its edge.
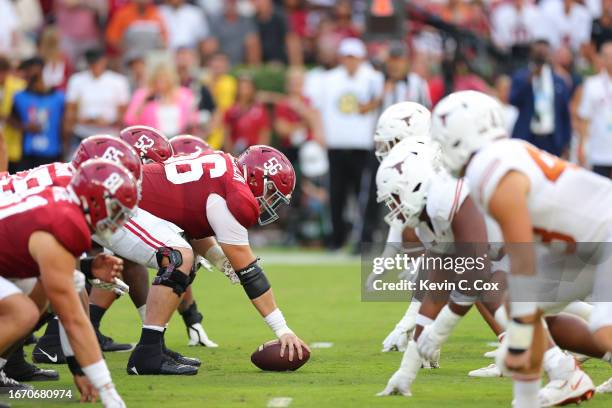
(253, 280)
(170, 275)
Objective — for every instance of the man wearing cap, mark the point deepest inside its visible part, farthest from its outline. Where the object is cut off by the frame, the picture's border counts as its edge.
(348, 98)
(96, 99)
(401, 84)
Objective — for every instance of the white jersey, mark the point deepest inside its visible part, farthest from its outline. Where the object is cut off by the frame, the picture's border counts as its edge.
(566, 203)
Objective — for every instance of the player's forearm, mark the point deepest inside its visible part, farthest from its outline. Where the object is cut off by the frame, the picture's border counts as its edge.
(265, 304)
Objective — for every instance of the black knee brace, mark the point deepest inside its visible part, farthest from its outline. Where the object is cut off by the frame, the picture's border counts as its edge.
(170, 275)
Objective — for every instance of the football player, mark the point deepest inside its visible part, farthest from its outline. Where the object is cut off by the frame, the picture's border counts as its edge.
(45, 230)
(188, 144)
(534, 197)
(213, 195)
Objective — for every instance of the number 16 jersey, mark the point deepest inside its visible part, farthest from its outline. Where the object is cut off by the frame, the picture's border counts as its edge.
(180, 190)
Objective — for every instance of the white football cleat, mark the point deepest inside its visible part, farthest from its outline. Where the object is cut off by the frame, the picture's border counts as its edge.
(579, 387)
(605, 387)
(489, 371)
(198, 337)
(433, 363)
(491, 354)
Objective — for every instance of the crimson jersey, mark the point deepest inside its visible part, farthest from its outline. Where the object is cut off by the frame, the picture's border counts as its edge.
(53, 209)
(178, 190)
(54, 174)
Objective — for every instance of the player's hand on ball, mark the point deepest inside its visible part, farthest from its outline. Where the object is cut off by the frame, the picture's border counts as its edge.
(397, 340)
(86, 389)
(290, 343)
(106, 267)
(399, 384)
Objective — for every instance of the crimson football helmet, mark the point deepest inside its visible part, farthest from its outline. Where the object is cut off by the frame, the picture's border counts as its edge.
(109, 148)
(271, 178)
(188, 144)
(150, 143)
(107, 193)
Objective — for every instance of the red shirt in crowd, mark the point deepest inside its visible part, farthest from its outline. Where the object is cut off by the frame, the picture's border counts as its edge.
(284, 110)
(245, 126)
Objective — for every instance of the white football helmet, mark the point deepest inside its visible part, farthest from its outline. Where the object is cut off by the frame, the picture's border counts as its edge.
(398, 122)
(463, 122)
(403, 179)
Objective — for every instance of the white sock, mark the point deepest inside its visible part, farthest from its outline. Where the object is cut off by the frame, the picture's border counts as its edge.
(152, 327)
(411, 361)
(446, 321)
(423, 320)
(557, 364)
(526, 394)
(142, 311)
(2, 362)
(580, 309)
(501, 317)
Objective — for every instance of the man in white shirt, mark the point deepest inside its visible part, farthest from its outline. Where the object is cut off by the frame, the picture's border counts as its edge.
(566, 22)
(595, 117)
(348, 98)
(515, 23)
(96, 99)
(186, 24)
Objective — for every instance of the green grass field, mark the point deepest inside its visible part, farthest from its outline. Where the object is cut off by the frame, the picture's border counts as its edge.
(322, 304)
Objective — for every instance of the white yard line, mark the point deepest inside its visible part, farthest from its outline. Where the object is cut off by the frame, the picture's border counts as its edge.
(279, 402)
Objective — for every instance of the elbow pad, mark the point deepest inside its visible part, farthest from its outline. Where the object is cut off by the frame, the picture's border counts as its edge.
(253, 280)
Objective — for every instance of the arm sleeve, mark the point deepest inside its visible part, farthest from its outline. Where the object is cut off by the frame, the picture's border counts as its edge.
(226, 227)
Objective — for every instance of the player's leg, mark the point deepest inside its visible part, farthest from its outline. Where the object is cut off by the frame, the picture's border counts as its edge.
(192, 318)
(100, 301)
(136, 276)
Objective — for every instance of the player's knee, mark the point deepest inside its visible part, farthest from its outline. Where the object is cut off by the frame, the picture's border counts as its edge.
(176, 269)
(22, 313)
(603, 338)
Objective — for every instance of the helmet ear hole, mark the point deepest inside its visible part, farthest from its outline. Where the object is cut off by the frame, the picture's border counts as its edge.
(416, 188)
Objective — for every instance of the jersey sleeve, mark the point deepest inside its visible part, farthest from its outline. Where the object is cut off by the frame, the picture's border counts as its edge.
(71, 230)
(227, 229)
(490, 165)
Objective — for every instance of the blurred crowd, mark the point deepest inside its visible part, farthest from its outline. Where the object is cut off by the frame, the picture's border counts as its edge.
(308, 76)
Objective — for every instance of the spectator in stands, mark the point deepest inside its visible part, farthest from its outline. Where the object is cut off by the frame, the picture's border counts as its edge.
(401, 83)
(163, 104)
(77, 22)
(38, 112)
(464, 14)
(563, 63)
(247, 122)
(514, 25)
(602, 27)
(502, 92)
(136, 25)
(136, 69)
(566, 22)
(9, 29)
(57, 65)
(190, 76)
(96, 99)
(11, 136)
(29, 14)
(349, 97)
(278, 44)
(223, 87)
(186, 24)
(595, 117)
(343, 26)
(235, 36)
(542, 98)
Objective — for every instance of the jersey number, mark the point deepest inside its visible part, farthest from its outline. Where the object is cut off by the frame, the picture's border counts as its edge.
(185, 170)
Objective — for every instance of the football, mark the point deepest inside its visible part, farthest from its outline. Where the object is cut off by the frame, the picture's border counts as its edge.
(267, 357)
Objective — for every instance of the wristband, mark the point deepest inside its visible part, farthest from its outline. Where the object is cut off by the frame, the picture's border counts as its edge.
(276, 322)
(74, 366)
(519, 335)
(98, 374)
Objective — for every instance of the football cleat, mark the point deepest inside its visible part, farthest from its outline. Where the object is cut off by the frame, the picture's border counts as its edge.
(605, 387)
(107, 344)
(48, 350)
(577, 388)
(8, 384)
(147, 359)
(489, 371)
(198, 337)
(181, 359)
(19, 369)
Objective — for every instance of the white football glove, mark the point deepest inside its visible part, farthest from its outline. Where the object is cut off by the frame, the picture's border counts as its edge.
(398, 339)
(198, 336)
(110, 398)
(117, 286)
(399, 384)
(229, 272)
(429, 343)
(203, 262)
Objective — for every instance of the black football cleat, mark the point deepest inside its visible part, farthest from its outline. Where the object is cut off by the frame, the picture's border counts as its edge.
(48, 350)
(31, 339)
(148, 359)
(8, 384)
(19, 369)
(107, 344)
(181, 359)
